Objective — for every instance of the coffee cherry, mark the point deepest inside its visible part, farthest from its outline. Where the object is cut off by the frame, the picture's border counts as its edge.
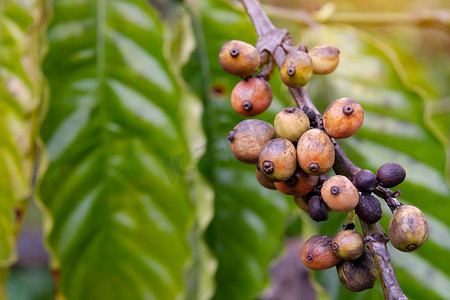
(310, 113)
(317, 209)
(348, 244)
(247, 139)
(365, 180)
(390, 175)
(339, 193)
(358, 275)
(299, 184)
(290, 123)
(368, 208)
(278, 159)
(343, 118)
(325, 59)
(301, 202)
(251, 97)
(315, 152)
(408, 228)
(264, 180)
(239, 58)
(297, 69)
(317, 253)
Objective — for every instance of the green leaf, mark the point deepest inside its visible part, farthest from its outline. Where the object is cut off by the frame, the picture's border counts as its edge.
(121, 187)
(21, 92)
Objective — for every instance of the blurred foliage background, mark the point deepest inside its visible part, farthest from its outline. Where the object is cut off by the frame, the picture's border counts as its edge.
(114, 117)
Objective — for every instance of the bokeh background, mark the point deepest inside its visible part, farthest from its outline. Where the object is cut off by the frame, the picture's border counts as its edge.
(118, 181)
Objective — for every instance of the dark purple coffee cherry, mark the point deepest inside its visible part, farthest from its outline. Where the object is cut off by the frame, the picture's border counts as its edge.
(368, 208)
(317, 209)
(390, 175)
(365, 180)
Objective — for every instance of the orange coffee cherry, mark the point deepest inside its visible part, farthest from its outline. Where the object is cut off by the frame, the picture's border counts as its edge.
(343, 118)
(339, 193)
(251, 97)
(239, 58)
(315, 152)
(298, 185)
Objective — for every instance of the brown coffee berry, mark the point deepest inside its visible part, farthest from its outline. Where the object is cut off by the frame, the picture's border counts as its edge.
(264, 180)
(408, 228)
(343, 118)
(315, 152)
(390, 175)
(278, 159)
(339, 193)
(290, 123)
(317, 253)
(299, 184)
(251, 97)
(239, 58)
(247, 139)
(317, 209)
(325, 59)
(297, 69)
(348, 244)
(368, 208)
(358, 275)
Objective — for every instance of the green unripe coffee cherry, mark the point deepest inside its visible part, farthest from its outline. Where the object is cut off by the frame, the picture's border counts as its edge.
(248, 137)
(325, 59)
(408, 228)
(278, 159)
(239, 58)
(315, 152)
(358, 275)
(290, 123)
(297, 69)
(348, 244)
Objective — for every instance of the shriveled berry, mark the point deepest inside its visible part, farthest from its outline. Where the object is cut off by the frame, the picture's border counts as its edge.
(264, 180)
(391, 174)
(343, 118)
(297, 69)
(348, 244)
(301, 202)
(290, 123)
(247, 139)
(299, 184)
(368, 208)
(315, 152)
(317, 209)
(310, 113)
(339, 193)
(317, 253)
(325, 59)
(408, 228)
(251, 97)
(278, 159)
(358, 275)
(239, 58)
(365, 180)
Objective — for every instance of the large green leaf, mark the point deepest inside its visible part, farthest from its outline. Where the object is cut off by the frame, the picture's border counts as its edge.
(21, 90)
(121, 188)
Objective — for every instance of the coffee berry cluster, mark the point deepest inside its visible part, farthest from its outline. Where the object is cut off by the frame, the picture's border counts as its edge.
(296, 153)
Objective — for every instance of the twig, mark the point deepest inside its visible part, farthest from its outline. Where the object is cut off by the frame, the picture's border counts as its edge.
(277, 46)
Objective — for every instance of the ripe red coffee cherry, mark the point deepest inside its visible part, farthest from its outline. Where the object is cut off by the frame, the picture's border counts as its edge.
(348, 244)
(315, 152)
(290, 123)
(365, 180)
(317, 209)
(358, 275)
(391, 174)
(339, 193)
(343, 118)
(325, 59)
(368, 208)
(299, 184)
(251, 97)
(297, 69)
(301, 202)
(278, 159)
(317, 253)
(247, 139)
(239, 58)
(408, 228)
(264, 180)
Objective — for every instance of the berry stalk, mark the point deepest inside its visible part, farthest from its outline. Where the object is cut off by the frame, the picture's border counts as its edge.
(278, 43)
